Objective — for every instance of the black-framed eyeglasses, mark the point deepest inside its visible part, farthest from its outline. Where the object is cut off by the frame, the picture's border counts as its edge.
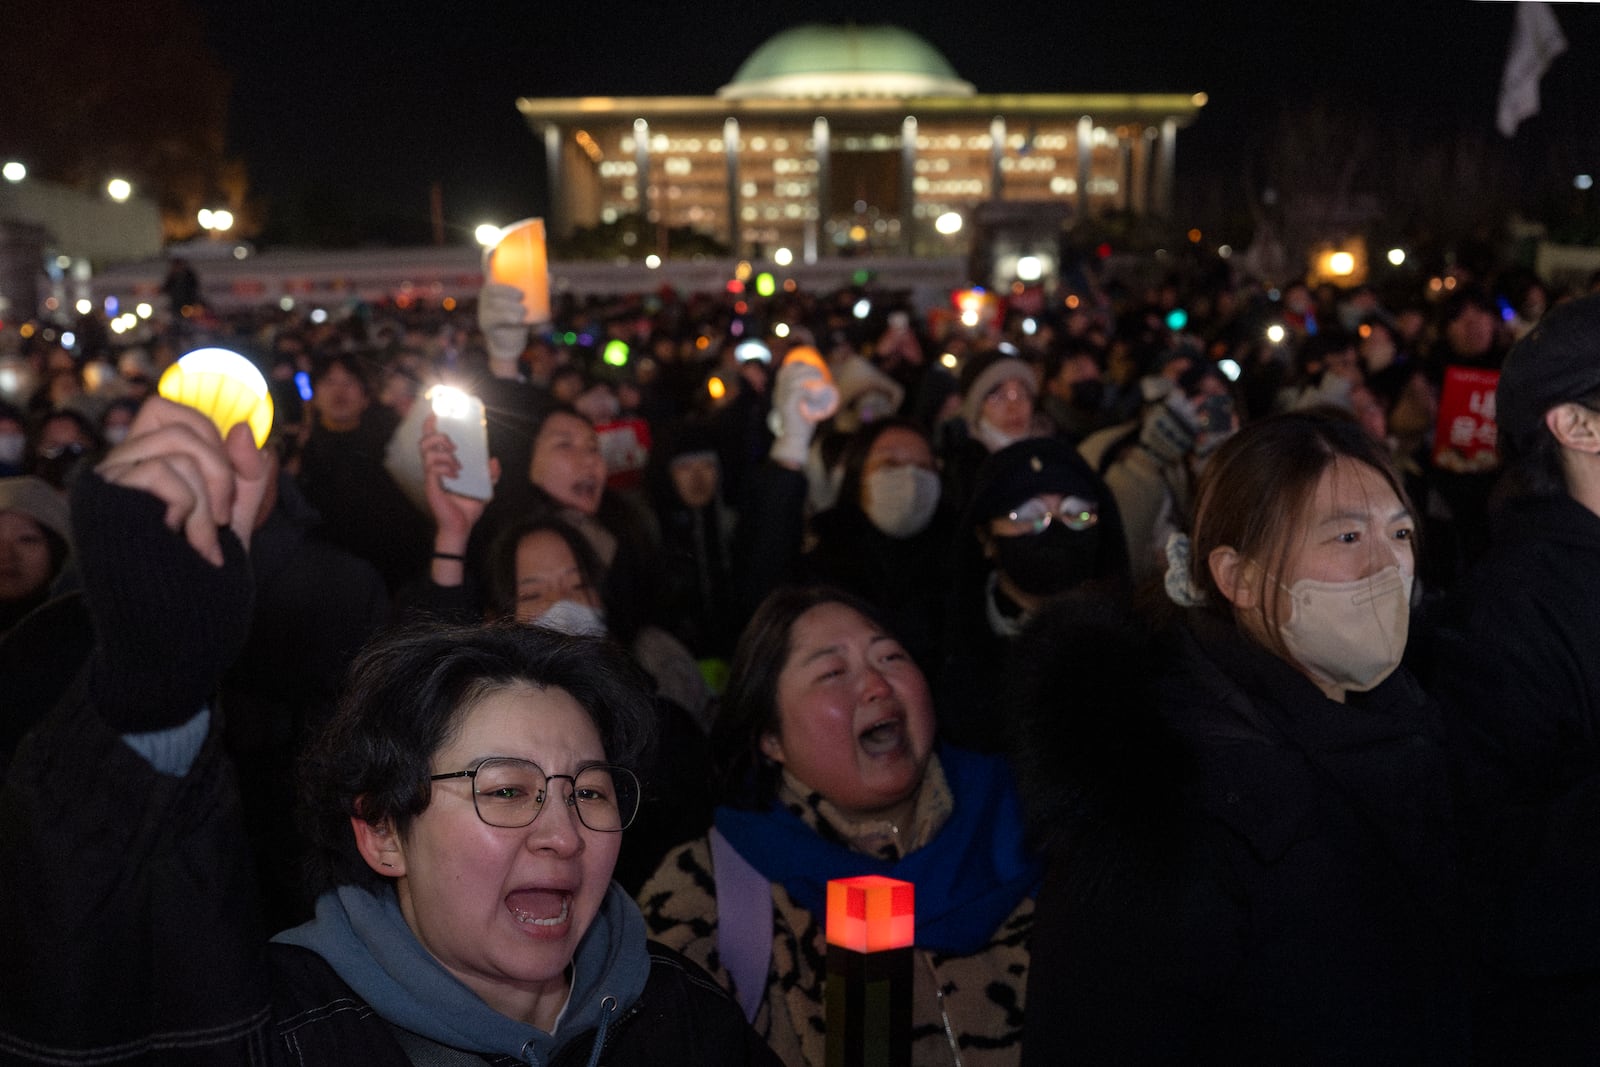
(1074, 512)
(510, 793)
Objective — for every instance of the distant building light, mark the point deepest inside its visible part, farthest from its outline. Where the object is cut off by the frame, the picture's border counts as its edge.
(1583, 181)
(84, 307)
(783, 257)
(1029, 269)
(1397, 256)
(14, 171)
(948, 223)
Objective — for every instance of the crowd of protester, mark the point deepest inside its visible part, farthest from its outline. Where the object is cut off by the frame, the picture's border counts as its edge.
(1224, 692)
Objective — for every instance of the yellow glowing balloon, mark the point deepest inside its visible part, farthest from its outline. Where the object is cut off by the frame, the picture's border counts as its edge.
(223, 386)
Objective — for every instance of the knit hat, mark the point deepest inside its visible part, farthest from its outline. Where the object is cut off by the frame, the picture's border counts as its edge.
(986, 372)
(1558, 361)
(35, 498)
(856, 377)
(1020, 472)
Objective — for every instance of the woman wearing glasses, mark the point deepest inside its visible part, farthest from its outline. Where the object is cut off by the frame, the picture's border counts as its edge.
(1039, 524)
(466, 805)
(1244, 799)
(826, 743)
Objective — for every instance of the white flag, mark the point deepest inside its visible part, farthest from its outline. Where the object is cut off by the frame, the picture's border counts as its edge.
(1536, 40)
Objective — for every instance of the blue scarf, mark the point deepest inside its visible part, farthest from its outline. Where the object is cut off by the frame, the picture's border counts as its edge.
(969, 878)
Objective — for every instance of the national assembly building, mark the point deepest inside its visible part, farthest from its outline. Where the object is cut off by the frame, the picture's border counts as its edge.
(845, 140)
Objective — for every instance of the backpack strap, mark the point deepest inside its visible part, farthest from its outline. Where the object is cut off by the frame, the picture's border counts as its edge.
(744, 923)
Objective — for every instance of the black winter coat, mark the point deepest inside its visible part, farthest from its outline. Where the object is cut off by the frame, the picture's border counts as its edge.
(131, 938)
(1242, 871)
(1517, 663)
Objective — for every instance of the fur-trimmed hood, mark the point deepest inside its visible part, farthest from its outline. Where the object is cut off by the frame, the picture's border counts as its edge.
(1090, 748)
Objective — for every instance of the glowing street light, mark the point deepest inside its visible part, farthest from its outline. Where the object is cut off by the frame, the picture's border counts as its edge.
(119, 189)
(14, 171)
(1029, 269)
(783, 257)
(222, 219)
(487, 234)
(948, 223)
(1342, 264)
(1397, 256)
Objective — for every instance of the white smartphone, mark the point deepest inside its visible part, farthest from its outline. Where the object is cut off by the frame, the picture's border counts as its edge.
(459, 416)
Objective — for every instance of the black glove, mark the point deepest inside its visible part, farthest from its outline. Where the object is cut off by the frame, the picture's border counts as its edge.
(167, 623)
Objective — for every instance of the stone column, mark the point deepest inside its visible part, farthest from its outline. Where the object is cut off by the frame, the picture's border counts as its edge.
(823, 152)
(730, 142)
(559, 215)
(908, 187)
(1085, 163)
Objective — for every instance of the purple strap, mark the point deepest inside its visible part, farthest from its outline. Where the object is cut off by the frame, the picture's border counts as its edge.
(744, 923)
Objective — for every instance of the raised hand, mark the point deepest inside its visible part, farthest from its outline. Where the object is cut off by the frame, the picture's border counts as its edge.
(174, 453)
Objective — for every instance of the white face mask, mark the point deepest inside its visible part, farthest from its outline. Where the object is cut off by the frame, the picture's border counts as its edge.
(1350, 635)
(994, 440)
(571, 617)
(11, 446)
(901, 501)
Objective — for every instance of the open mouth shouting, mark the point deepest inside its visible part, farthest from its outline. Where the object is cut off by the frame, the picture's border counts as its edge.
(546, 911)
(884, 737)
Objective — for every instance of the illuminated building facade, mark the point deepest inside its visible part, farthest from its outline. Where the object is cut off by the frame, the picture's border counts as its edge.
(854, 139)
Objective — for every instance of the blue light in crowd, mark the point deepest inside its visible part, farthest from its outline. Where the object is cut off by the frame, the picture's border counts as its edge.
(302, 383)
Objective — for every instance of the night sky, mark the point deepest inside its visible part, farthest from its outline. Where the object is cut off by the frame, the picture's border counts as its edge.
(373, 102)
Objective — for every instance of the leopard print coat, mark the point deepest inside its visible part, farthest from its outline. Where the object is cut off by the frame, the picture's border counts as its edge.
(966, 1010)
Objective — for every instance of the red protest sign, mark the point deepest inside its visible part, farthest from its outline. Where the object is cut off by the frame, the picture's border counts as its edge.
(625, 446)
(1465, 434)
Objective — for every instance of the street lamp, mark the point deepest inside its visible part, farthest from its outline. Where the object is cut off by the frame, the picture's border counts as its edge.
(948, 223)
(119, 189)
(14, 171)
(488, 234)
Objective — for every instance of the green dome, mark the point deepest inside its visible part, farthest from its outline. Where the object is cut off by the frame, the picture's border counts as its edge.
(824, 61)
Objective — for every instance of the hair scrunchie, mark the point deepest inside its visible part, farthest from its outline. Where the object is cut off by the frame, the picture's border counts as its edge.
(1181, 589)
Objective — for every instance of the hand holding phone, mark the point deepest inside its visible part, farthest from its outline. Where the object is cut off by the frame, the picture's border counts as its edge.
(460, 417)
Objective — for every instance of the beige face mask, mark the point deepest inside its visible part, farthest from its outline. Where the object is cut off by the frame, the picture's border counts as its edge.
(1350, 634)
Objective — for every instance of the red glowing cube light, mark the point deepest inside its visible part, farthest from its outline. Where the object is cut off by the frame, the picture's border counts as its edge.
(871, 913)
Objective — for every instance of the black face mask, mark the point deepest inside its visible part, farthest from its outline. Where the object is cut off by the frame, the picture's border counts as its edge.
(56, 464)
(1088, 395)
(1049, 562)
